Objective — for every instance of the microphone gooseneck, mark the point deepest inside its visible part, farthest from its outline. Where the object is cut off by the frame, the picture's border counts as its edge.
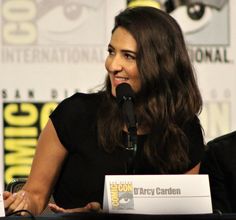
(125, 99)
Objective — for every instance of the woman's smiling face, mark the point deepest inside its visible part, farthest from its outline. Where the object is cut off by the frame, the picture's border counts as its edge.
(121, 61)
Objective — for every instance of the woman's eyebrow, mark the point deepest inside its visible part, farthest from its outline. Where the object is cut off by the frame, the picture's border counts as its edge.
(129, 51)
(123, 50)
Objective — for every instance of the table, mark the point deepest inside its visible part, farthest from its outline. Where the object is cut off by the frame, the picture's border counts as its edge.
(106, 216)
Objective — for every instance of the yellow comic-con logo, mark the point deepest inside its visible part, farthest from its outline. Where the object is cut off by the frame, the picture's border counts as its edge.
(122, 196)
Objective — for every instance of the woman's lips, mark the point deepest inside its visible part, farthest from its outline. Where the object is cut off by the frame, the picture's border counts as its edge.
(119, 80)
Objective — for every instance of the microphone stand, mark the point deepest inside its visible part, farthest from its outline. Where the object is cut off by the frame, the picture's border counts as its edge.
(132, 146)
(132, 134)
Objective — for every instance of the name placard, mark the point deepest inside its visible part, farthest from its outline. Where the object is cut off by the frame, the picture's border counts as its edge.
(157, 194)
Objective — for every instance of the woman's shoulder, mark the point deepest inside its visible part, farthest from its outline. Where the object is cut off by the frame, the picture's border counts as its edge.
(79, 103)
(83, 100)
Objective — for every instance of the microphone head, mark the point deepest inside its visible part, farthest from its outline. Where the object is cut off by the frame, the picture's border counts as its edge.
(124, 92)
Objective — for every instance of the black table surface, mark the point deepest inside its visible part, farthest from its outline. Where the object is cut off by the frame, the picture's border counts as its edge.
(107, 216)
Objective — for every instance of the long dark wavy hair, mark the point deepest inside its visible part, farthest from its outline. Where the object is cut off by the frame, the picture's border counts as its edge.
(169, 96)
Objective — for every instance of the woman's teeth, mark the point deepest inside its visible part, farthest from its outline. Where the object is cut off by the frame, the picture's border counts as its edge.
(121, 78)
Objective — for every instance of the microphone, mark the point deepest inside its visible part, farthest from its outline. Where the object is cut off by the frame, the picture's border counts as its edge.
(125, 98)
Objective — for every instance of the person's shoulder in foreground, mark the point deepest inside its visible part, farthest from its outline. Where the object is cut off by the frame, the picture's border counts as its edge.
(226, 140)
(220, 165)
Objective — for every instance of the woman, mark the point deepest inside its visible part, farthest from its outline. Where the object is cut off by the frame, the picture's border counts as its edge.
(86, 136)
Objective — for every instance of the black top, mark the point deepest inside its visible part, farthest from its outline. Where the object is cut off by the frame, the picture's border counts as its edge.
(82, 176)
(220, 164)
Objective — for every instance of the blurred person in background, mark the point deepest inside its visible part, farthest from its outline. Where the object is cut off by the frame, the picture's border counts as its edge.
(220, 164)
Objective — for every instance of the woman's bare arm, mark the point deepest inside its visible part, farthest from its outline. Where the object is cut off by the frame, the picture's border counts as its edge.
(47, 162)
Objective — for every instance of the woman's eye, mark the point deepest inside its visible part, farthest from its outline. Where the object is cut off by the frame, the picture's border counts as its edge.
(129, 56)
(110, 51)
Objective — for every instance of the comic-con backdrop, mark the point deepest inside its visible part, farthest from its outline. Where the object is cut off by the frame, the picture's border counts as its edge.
(52, 49)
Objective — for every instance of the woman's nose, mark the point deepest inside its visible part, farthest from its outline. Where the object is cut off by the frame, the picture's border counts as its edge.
(115, 64)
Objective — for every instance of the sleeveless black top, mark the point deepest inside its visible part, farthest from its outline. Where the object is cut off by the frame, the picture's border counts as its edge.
(82, 176)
